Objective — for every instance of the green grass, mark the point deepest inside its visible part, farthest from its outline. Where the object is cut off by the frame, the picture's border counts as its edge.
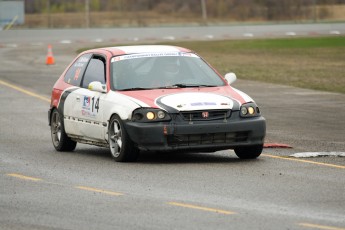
(314, 63)
(273, 44)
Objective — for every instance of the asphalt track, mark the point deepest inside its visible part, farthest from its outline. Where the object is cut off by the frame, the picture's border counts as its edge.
(13, 38)
(85, 189)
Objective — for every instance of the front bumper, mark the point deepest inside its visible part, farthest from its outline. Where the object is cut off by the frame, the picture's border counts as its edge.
(198, 135)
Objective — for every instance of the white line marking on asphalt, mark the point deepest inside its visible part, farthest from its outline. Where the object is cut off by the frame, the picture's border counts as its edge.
(65, 41)
(248, 35)
(98, 40)
(135, 39)
(318, 154)
(11, 45)
(334, 32)
(169, 38)
(290, 34)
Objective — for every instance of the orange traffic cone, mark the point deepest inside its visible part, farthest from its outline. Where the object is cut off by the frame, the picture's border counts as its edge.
(50, 57)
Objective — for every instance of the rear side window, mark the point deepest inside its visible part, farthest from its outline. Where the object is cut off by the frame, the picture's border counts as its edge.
(75, 72)
(95, 71)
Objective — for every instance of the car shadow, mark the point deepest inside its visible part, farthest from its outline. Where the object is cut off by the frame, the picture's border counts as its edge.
(180, 157)
(189, 157)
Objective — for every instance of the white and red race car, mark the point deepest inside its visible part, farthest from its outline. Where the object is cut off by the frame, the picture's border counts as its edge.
(152, 98)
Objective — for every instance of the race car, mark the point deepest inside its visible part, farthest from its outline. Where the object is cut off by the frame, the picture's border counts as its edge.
(152, 98)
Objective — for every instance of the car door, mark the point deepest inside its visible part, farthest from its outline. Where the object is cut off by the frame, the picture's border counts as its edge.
(68, 102)
(86, 105)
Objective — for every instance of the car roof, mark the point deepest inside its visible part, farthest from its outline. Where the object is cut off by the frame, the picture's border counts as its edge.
(137, 49)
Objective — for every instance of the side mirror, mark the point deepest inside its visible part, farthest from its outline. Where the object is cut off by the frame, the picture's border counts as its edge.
(97, 86)
(230, 77)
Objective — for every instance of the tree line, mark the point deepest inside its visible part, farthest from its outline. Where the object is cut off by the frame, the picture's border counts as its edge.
(237, 9)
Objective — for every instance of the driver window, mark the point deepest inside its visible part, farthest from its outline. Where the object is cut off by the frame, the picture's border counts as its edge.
(95, 71)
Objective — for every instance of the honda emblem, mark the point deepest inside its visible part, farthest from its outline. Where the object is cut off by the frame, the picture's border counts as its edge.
(204, 114)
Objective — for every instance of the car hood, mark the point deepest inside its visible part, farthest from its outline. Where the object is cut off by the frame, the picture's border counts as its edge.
(190, 99)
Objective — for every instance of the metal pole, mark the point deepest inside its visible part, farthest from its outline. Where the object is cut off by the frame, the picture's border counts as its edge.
(87, 13)
(48, 13)
(314, 11)
(203, 9)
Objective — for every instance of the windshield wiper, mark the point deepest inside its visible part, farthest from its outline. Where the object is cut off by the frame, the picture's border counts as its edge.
(135, 88)
(169, 87)
(208, 85)
(187, 86)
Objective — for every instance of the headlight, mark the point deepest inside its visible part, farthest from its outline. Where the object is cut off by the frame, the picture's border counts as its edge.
(161, 114)
(244, 110)
(249, 110)
(150, 115)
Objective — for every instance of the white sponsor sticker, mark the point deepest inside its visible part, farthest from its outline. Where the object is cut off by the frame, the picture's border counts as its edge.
(146, 55)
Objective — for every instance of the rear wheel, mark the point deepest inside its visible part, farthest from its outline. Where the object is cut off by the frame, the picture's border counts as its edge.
(249, 152)
(122, 148)
(60, 139)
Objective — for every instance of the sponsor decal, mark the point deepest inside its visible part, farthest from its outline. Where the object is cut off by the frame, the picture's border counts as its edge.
(87, 113)
(83, 59)
(78, 64)
(147, 55)
(116, 59)
(188, 55)
(203, 103)
(77, 73)
(81, 62)
(86, 102)
(90, 106)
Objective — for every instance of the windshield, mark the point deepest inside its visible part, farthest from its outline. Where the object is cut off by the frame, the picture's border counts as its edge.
(162, 70)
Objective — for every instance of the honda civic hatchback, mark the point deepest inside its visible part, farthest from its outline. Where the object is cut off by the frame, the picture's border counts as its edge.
(152, 98)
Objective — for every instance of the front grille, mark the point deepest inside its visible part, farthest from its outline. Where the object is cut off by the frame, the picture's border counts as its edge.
(206, 139)
(212, 115)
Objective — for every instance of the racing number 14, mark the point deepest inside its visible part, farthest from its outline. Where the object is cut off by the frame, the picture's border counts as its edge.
(95, 105)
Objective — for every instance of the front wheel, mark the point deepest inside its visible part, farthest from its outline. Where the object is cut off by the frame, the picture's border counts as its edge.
(121, 147)
(60, 139)
(249, 152)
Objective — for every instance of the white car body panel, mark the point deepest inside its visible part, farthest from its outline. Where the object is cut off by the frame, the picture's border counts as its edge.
(82, 118)
(82, 113)
(244, 95)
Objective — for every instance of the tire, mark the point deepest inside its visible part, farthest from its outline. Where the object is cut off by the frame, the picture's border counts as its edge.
(121, 147)
(59, 137)
(249, 152)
